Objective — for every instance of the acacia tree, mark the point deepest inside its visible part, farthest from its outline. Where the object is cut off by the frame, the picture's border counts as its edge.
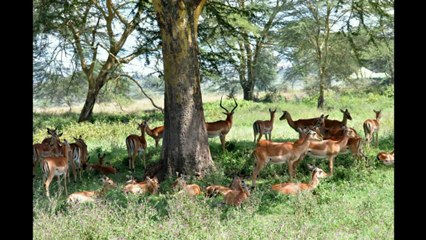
(238, 32)
(94, 32)
(185, 143)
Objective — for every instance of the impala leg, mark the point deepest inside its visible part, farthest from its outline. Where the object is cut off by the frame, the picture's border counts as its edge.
(144, 159)
(330, 164)
(47, 183)
(65, 184)
(222, 142)
(258, 165)
(377, 138)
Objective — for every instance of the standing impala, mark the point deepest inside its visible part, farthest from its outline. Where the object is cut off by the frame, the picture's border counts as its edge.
(264, 127)
(285, 152)
(156, 133)
(302, 123)
(80, 156)
(221, 128)
(335, 123)
(53, 140)
(136, 145)
(57, 166)
(371, 128)
(330, 148)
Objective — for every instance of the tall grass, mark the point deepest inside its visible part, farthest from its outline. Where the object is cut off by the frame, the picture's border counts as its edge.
(357, 202)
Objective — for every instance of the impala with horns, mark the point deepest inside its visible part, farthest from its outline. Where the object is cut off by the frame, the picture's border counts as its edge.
(57, 166)
(135, 146)
(89, 196)
(221, 128)
(371, 128)
(330, 148)
(292, 188)
(303, 123)
(285, 152)
(264, 127)
(156, 133)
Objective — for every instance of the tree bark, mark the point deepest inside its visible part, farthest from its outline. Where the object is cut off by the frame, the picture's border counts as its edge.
(185, 143)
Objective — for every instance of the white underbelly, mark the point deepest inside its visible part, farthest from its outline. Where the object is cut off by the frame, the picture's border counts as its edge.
(278, 159)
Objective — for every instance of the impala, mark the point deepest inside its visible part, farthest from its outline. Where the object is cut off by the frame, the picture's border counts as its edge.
(135, 146)
(150, 185)
(53, 140)
(105, 170)
(295, 188)
(330, 148)
(302, 123)
(386, 158)
(238, 195)
(156, 133)
(181, 186)
(41, 150)
(371, 128)
(285, 152)
(214, 190)
(264, 127)
(56, 166)
(335, 123)
(80, 156)
(89, 196)
(221, 128)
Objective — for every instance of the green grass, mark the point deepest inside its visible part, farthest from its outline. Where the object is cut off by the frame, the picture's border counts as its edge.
(356, 203)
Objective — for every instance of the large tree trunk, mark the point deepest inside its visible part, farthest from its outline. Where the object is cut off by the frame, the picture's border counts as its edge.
(87, 111)
(185, 143)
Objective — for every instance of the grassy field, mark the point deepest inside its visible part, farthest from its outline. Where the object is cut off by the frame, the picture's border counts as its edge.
(356, 203)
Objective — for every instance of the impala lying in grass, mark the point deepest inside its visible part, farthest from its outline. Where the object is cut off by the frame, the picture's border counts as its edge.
(90, 196)
(238, 194)
(387, 158)
(150, 185)
(189, 189)
(295, 188)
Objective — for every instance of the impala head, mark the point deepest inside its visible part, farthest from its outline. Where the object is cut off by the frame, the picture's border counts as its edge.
(108, 183)
(320, 123)
(378, 114)
(228, 113)
(152, 184)
(101, 158)
(310, 134)
(284, 116)
(348, 131)
(272, 112)
(317, 171)
(179, 183)
(346, 114)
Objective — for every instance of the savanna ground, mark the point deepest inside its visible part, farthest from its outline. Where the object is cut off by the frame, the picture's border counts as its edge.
(356, 203)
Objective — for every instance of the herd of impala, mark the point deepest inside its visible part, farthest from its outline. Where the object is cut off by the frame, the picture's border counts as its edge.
(318, 137)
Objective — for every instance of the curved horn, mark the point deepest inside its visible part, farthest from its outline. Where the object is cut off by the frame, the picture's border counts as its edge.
(236, 105)
(220, 104)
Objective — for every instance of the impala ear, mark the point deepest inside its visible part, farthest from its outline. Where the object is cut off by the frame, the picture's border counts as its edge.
(310, 167)
(60, 134)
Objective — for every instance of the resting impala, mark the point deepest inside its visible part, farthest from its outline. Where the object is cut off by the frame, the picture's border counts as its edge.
(238, 195)
(386, 158)
(57, 166)
(285, 152)
(181, 186)
(221, 128)
(295, 188)
(101, 168)
(335, 123)
(150, 185)
(371, 128)
(264, 127)
(156, 133)
(330, 148)
(136, 145)
(302, 123)
(89, 196)
(214, 190)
